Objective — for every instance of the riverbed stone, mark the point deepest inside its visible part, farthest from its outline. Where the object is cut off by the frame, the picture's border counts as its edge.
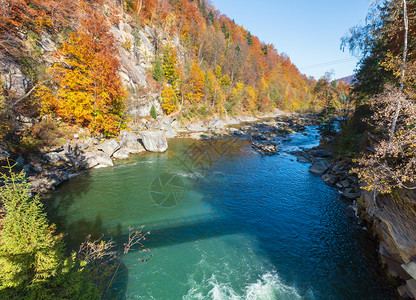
(53, 157)
(4, 155)
(154, 141)
(129, 142)
(401, 290)
(319, 167)
(20, 161)
(258, 136)
(216, 123)
(345, 183)
(103, 159)
(320, 153)
(121, 154)
(90, 160)
(196, 128)
(109, 147)
(350, 193)
(329, 179)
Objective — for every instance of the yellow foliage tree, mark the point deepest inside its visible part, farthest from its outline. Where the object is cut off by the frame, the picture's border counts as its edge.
(170, 68)
(169, 100)
(196, 84)
(213, 91)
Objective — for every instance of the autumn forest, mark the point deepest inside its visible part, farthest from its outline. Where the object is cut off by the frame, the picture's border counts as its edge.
(204, 64)
(106, 84)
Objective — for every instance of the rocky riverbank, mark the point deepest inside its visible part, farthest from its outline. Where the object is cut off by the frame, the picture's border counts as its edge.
(390, 219)
(335, 173)
(48, 169)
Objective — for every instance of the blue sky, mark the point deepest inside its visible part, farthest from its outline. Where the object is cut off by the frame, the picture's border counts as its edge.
(308, 31)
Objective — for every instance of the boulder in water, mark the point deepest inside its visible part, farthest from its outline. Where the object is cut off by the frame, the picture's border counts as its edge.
(129, 142)
(109, 147)
(121, 154)
(103, 159)
(320, 153)
(154, 141)
(319, 167)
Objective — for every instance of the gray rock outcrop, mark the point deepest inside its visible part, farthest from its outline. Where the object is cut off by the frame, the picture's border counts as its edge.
(319, 166)
(129, 142)
(103, 159)
(154, 141)
(121, 154)
(109, 147)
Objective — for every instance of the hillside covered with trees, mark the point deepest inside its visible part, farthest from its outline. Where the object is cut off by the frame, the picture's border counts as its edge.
(202, 63)
(71, 68)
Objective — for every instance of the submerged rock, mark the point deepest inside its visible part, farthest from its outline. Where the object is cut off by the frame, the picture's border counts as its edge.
(154, 141)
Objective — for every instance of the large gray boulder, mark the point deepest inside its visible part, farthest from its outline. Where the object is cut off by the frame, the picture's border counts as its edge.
(121, 154)
(103, 159)
(154, 141)
(109, 147)
(320, 153)
(319, 167)
(129, 142)
(89, 161)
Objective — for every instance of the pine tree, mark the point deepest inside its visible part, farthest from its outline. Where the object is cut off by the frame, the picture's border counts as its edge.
(224, 29)
(265, 49)
(249, 38)
(32, 261)
(211, 16)
(158, 71)
(153, 112)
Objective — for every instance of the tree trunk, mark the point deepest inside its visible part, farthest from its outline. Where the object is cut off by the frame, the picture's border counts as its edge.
(399, 100)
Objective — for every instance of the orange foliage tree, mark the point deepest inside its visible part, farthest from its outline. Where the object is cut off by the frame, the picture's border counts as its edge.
(89, 91)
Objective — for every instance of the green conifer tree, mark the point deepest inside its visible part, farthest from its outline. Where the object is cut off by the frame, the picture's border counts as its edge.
(153, 112)
(32, 260)
(249, 38)
(158, 71)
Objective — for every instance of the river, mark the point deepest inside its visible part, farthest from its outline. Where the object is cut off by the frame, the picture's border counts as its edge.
(235, 225)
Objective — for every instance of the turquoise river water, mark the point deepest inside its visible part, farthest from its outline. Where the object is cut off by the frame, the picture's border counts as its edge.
(225, 223)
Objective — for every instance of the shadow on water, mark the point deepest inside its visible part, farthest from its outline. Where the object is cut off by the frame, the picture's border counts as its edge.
(76, 232)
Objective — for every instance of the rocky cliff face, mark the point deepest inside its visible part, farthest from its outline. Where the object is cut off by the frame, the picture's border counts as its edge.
(137, 51)
(392, 219)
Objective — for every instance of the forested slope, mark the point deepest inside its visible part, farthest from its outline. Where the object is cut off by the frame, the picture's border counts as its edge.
(103, 64)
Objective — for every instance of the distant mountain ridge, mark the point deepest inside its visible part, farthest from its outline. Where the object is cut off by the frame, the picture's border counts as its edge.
(347, 79)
